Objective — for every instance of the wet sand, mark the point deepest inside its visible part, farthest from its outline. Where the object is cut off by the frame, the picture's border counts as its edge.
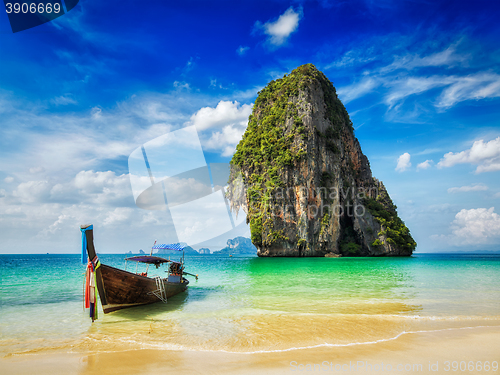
(419, 352)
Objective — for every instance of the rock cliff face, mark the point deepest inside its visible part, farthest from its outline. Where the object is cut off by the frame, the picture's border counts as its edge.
(309, 190)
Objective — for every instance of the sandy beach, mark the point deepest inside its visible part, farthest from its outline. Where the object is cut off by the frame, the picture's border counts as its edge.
(419, 352)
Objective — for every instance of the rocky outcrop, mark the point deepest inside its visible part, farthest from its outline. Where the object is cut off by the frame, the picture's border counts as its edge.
(141, 252)
(238, 246)
(307, 187)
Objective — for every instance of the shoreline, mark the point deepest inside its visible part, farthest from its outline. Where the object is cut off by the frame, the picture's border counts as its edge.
(419, 349)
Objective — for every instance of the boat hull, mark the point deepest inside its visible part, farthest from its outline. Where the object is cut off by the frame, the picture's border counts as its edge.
(125, 289)
(119, 289)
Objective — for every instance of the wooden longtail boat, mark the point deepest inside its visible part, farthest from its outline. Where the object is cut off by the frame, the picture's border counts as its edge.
(119, 289)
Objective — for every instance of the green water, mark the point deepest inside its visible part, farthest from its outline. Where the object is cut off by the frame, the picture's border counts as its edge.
(251, 304)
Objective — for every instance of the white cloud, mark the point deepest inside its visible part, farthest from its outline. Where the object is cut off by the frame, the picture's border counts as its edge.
(404, 77)
(157, 109)
(63, 100)
(189, 65)
(225, 140)
(229, 118)
(448, 58)
(463, 189)
(242, 50)
(152, 111)
(424, 165)
(428, 151)
(473, 87)
(402, 88)
(57, 226)
(40, 210)
(70, 155)
(476, 226)
(118, 215)
(32, 191)
(278, 31)
(89, 187)
(98, 188)
(215, 84)
(91, 182)
(71, 152)
(150, 218)
(399, 85)
(485, 155)
(96, 113)
(36, 170)
(441, 208)
(403, 162)
(226, 113)
(65, 143)
(181, 85)
(182, 190)
(353, 58)
(155, 130)
(357, 90)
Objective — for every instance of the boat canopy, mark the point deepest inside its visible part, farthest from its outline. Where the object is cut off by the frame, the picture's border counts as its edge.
(149, 259)
(172, 246)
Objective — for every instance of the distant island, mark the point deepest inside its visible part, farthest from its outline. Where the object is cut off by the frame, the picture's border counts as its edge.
(141, 252)
(238, 246)
(188, 250)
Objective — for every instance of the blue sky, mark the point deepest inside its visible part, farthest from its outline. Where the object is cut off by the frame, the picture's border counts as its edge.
(420, 80)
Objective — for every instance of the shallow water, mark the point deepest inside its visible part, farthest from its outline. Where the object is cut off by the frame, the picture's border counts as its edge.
(252, 304)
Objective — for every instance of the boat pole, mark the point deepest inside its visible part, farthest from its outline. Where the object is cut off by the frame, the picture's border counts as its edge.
(190, 274)
(147, 268)
(89, 234)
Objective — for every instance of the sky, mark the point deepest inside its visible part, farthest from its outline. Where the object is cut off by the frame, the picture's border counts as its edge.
(420, 80)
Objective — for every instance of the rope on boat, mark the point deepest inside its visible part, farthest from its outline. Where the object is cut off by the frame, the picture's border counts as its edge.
(90, 300)
(160, 291)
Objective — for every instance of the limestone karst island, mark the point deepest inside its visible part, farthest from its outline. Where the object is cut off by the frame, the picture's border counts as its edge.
(309, 190)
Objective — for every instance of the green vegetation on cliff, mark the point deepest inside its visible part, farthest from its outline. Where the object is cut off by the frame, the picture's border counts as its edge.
(275, 137)
(275, 124)
(395, 230)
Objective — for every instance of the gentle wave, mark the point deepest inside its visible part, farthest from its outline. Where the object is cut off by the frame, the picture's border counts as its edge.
(176, 347)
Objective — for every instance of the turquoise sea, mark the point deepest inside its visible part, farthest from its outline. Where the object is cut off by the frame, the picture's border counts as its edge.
(251, 304)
